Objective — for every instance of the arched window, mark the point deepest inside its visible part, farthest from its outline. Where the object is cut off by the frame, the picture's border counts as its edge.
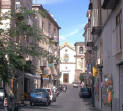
(81, 50)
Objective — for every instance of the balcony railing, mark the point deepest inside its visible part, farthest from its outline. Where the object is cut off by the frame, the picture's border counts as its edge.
(96, 21)
(43, 63)
(45, 71)
(5, 4)
(96, 18)
(89, 39)
(109, 4)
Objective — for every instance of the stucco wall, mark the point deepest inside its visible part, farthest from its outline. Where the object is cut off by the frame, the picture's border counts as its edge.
(70, 69)
(109, 55)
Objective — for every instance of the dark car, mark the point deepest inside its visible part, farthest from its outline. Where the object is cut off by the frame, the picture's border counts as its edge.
(39, 96)
(7, 100)
(85, 93)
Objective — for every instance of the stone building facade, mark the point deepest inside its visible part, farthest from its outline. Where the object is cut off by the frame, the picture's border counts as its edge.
(48, 66)
(103, 36)
(46, 69)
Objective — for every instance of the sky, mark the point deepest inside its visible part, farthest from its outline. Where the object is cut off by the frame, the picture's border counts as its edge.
(70, 16)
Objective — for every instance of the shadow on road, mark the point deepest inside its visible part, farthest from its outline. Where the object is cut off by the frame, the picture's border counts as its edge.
(88, 103)
(40, 107)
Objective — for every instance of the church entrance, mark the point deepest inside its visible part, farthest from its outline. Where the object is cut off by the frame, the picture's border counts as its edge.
(66, 78)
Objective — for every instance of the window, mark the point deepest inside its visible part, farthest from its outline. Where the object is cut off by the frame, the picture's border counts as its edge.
(118, 30)
(49, 28)
(18, 5)
(81, 50)
(27, 42)
(42, 25)
(54, 31)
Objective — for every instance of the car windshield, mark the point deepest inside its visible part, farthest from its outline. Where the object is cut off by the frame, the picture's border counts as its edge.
(38, 90)
(84, 89)
(48, 90)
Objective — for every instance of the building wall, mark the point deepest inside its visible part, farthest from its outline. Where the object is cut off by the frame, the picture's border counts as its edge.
(67, 68)
(110, 61)
(70, 52)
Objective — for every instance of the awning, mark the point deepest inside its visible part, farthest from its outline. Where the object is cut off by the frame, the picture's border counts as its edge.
(32, 76)
(45, 77)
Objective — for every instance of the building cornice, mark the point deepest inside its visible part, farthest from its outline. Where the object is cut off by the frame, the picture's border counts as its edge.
(67, 63)
(79, 56)
(49, 15)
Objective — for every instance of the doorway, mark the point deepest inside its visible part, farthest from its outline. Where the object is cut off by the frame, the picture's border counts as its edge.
(121, 87)
(66, 78)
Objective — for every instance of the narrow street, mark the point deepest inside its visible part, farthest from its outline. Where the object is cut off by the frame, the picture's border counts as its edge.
(68, 101)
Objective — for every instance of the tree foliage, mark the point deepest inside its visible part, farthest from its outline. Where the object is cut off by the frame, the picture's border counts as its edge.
(81, 77)
(12, 52)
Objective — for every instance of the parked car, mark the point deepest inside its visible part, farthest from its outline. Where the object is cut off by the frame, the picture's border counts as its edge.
(7, 100)
(85, 93)
(39, 96)
(75, 85)
(51, 94)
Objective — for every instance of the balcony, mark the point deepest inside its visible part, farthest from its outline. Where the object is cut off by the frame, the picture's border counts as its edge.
(89, 40)
(90, 6)
(43, 63)
(6, 4)
(89, 49)
(96, 21)
(45, 71)
(89, 14)
(109, 4)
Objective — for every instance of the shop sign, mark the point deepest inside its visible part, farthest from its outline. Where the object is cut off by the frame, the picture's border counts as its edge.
(95, 71)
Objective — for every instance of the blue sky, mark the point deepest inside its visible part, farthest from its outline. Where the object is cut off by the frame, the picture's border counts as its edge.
(70, 15)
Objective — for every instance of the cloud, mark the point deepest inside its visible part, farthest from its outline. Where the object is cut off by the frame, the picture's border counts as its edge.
(44, 2)
(62, 38)
(70, 34)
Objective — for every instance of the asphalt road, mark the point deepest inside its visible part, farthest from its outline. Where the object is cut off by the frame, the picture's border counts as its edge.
(68, 101)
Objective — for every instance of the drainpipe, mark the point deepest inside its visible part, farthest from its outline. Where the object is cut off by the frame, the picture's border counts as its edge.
(100, 69)
(93, 100)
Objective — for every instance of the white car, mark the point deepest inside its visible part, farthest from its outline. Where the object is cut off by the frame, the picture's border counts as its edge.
(76, 85)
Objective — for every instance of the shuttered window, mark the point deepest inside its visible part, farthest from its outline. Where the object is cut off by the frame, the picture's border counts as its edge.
(118, 31)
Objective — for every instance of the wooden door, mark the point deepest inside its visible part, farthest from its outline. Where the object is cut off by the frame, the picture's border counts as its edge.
(66, 78)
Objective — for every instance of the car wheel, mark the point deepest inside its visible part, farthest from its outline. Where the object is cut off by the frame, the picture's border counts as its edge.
(6, 109)
(54, 100)
(31, 104)
(16, 108)
(47, 103)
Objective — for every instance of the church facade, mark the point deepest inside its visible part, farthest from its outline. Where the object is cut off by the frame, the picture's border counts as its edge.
(68, 64)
